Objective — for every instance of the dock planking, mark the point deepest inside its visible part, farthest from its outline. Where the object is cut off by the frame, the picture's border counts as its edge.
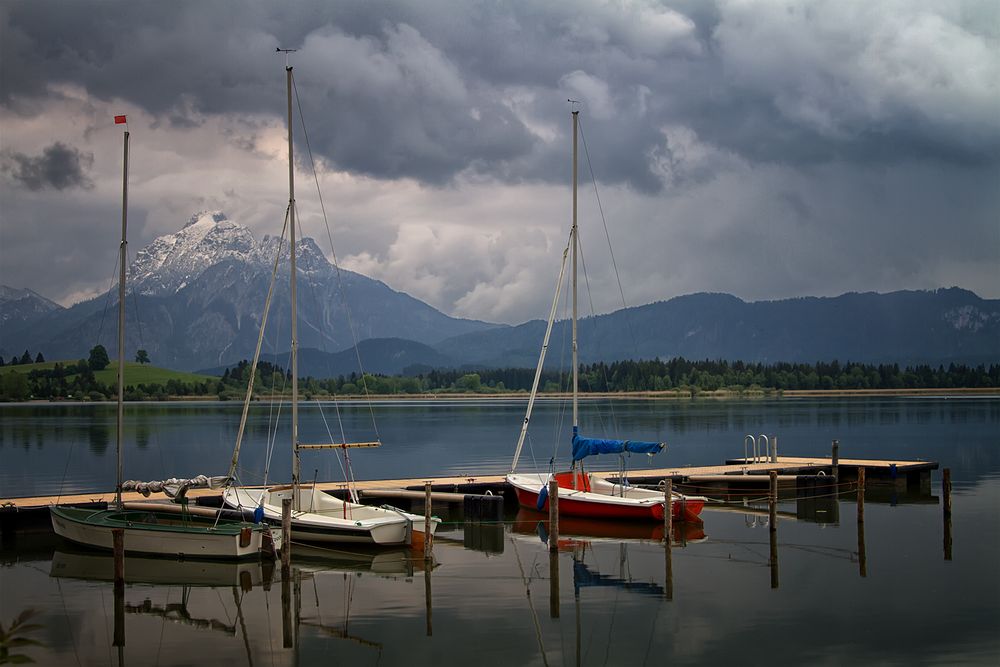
(734, 470)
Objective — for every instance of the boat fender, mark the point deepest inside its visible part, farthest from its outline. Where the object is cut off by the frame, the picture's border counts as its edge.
(258, 514)
(543, 495)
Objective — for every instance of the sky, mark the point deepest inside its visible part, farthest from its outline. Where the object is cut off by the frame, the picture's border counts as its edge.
(768, 150)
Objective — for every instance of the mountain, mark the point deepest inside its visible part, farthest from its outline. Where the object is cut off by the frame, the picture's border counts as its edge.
(21, 306)
(19, 309)
(907, 327)
(199, 294)
(385, 356)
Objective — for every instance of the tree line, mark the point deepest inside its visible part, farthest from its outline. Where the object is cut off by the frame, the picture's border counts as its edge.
(76, 380)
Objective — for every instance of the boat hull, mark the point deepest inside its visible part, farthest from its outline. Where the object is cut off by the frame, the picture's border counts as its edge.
(150, 532)
(323, 518)
(644, 505)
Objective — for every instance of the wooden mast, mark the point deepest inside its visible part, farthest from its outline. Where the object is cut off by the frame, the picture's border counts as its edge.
(296, 464)
(576, 363)
(122, 258)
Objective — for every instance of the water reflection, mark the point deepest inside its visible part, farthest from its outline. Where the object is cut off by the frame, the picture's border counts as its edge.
(433, 438)
(610, 589)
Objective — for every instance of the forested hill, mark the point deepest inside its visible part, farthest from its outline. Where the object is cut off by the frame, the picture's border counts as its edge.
(908, 328)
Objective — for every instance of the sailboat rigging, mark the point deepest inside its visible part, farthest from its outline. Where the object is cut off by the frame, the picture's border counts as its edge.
(154, 528)
(580, 493)
(318, 516)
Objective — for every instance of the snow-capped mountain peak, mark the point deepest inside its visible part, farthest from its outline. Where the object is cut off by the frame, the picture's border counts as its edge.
(174, 260)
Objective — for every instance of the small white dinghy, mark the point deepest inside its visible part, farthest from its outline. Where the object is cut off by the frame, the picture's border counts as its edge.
(325, 518)
(317, 517)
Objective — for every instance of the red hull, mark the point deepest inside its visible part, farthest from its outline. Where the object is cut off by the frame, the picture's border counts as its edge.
(692, 508)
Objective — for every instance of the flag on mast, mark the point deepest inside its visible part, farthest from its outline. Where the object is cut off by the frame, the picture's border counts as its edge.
(119, 120)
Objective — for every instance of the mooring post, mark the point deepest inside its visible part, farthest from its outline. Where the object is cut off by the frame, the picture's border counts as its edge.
(428, 537)
(772, 513)
(862, 555)
(286, 534)
(835, 460)
(946, 492)
(668, 510)
(118, 545)
(774, 449)
(553, 515)
(668, 539)
(861, 494)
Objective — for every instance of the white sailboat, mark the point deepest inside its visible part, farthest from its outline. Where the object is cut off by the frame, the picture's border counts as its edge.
(581, 493)
(154, 528)
(316, 515)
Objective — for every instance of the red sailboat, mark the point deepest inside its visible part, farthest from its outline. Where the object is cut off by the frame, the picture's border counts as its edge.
(585, 494)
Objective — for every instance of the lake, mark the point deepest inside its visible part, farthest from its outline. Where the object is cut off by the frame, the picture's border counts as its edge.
(493, 594)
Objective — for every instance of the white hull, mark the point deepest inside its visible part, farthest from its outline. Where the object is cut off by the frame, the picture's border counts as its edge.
(324, 518)
(158, 539)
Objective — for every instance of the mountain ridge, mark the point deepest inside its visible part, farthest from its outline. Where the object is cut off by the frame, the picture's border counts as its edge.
(200, 293)
(199, 296)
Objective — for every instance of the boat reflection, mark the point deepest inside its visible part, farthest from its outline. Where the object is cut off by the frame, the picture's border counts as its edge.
(573, 530)
(403, 561)
(94, 565)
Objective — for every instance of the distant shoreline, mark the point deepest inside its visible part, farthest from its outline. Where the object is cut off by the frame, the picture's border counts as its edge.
(668, 395)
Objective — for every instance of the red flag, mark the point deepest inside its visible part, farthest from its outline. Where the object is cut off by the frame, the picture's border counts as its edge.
(119, 120)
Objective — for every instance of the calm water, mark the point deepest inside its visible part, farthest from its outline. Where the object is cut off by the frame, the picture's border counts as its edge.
(488, 597)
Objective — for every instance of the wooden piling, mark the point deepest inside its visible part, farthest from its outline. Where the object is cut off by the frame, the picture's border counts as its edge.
(861, 495)
(946, 490)
(946, 493)
(286, 534)
(553, 515)
(773, 527)
(668, 539)
(835, 459)
(428, 536)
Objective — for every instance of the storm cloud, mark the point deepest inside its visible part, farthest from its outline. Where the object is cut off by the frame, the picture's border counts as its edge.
(58, 167)
(763, 149)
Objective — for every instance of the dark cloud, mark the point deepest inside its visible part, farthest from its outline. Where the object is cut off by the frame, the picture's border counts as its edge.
(424, 90)
(736, 139)
(59, 167)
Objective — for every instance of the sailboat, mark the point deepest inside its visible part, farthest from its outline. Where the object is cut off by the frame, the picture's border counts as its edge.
(316, 515)
(580, 493)
(154, 528)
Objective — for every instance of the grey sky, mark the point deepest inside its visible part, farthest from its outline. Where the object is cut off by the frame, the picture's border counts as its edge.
(767, 149)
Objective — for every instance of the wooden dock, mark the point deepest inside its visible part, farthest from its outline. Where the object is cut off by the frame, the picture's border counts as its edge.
(734, 473)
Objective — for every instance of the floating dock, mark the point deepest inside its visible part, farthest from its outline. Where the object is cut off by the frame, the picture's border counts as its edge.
(735, 473)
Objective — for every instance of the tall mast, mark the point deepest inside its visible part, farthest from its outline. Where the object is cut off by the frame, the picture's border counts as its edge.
(576, 363)
(121, 325)
(296, 465)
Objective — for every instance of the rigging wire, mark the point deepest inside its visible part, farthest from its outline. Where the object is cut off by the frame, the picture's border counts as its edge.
(336, 264)
(256, 357)
(607, 234)
(135, 304)
(107, 300)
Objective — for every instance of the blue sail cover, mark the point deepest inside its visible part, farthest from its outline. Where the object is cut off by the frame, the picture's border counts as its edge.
(584, 447)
